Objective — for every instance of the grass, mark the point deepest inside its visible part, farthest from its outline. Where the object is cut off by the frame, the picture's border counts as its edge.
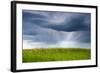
(55, 54)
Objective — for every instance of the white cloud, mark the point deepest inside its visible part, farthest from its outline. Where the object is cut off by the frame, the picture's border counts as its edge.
(30, 45)
(64, 40)
(63, 44)
(58, 18)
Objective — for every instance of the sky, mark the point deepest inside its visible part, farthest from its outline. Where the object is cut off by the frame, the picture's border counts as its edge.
(44, 29)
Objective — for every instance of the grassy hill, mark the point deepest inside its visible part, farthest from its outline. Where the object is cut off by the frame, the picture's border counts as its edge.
(55, 54)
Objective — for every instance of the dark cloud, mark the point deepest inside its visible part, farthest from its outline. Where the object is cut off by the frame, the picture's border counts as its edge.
(52, 27)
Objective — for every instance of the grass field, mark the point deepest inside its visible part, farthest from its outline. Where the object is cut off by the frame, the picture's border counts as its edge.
(55, 54)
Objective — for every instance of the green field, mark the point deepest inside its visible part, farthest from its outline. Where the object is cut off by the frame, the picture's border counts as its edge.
(55, 54)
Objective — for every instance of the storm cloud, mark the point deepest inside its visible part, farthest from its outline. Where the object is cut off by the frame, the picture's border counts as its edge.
(47, 28)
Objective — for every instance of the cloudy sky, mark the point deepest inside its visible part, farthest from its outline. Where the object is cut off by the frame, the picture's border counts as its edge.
(42, 29)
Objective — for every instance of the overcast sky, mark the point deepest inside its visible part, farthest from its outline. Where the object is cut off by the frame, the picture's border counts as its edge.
(56, 29)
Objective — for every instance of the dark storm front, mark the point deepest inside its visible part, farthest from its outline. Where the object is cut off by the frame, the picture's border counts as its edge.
(56, 36)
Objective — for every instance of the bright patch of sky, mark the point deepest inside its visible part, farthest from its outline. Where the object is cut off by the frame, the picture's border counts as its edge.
(44, 29)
